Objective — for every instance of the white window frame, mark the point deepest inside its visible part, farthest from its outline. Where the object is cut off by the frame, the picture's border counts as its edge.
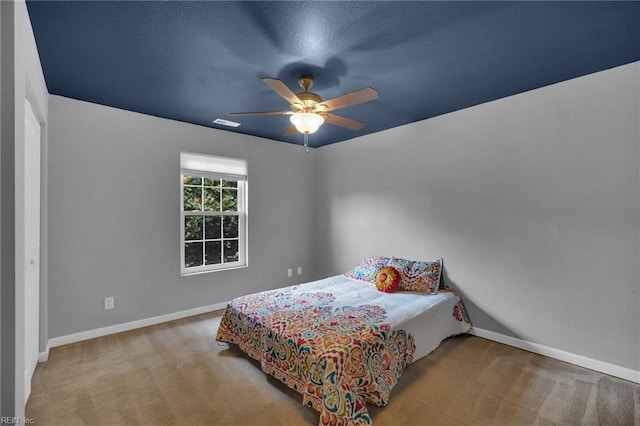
(214, 167)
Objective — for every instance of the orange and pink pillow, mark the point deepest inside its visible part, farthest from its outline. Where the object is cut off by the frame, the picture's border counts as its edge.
(388, 279)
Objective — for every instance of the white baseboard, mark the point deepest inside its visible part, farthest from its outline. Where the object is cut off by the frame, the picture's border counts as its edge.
(132, 325)
(43, 356)
(580, 360)
(571, 358)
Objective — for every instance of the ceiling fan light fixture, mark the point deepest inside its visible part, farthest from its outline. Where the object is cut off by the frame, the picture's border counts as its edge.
(307, 122)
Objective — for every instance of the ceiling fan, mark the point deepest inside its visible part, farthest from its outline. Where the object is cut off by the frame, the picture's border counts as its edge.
(309, 111)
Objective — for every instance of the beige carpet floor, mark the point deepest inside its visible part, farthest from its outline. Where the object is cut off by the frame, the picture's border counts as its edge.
(175, 374)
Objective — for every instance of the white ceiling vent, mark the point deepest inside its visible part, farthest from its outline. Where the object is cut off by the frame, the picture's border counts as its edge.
(226, 122)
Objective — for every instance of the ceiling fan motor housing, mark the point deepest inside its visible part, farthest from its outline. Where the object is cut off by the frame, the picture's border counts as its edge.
(309, 102)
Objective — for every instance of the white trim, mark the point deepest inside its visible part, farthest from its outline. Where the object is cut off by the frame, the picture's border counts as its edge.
(206, 271)
(132, 325)
(580, 360)
(44, 356)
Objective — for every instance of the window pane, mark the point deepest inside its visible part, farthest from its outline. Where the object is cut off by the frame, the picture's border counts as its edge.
(230, 227)
(229, 184)
(229, 200)
(192, 199)
(212, 252)
(193, 227)
(191, 180)
(211, 199)
(211, 182)
(231, 251)
(212, 227)
(192, 254)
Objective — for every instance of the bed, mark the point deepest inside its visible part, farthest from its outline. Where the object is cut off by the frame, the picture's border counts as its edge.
(340, 341)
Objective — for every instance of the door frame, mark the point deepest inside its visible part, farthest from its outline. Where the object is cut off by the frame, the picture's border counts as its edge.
(39, 107)
(32, 240)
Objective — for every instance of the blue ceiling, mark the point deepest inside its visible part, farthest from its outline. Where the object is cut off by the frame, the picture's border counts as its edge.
(198, 61)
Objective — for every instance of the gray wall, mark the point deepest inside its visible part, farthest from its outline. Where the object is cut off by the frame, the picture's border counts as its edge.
(532, 201)
(114, 216)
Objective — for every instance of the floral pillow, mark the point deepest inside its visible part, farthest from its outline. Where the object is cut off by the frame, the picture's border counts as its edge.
(388, 279)
(368, 269)
(418, 275)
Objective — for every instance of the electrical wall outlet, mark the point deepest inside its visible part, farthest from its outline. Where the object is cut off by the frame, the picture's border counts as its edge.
(289, 272)
(109, 302)
(299, 270)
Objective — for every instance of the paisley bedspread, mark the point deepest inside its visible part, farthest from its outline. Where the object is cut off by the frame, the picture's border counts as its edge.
(339, 356)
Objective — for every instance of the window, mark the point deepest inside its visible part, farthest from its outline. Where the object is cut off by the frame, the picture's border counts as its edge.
(213, 204)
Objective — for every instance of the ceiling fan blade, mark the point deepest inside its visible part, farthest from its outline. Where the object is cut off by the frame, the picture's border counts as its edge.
(263, 113)
(281, 89)
(291, 130)
(338, 120)
(352, 98)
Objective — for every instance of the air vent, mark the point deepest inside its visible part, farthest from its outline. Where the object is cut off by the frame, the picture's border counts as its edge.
(226, 122)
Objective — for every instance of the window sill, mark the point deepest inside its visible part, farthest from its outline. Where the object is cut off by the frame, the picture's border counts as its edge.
(209, 271)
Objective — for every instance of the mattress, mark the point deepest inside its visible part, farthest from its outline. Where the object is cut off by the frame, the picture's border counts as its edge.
(340, 342)
(429, 318)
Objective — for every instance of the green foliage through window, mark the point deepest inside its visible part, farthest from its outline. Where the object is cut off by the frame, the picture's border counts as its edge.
(211, 236)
